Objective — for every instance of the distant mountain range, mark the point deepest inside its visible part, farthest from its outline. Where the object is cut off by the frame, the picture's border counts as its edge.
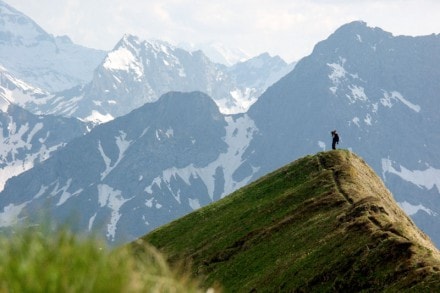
(98, 86)
(47, 62)
(153, 164)
(136, 72)
(47, 75)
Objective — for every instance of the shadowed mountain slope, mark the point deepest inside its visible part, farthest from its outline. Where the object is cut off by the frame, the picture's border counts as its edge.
(322, 223)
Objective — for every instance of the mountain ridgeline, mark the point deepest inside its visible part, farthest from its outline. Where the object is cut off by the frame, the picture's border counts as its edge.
(37, 72)
(322, 223)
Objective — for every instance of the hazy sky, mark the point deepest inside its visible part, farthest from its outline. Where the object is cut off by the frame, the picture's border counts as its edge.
(289, 28)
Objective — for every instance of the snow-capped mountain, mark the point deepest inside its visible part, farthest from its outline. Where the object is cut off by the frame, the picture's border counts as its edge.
(136, 72)
(98, 86)
(159, 162)
(136, 172)
(48, 62)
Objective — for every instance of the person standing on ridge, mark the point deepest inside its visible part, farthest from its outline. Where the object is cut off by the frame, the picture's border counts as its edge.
(335, 140)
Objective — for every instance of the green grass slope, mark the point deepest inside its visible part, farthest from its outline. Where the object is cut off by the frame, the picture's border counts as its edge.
(322, 223)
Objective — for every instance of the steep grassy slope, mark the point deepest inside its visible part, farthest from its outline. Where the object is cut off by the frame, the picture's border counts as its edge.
(322, 223)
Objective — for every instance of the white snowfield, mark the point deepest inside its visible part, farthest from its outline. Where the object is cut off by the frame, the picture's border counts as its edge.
(428, 178)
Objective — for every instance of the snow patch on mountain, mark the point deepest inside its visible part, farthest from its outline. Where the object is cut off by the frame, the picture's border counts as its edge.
(368, 119)
(122, 145)
(242, 100)
(92, 221)
(194, 203)
(112, 199)
(164, 134)
(152, 202)
(10, 214)
(56, 105)
(411, 209)
(65, 194)
(13, 169)
(390, 97)
(239, 134)
(356, 121)
(427, 178)
(4, 104)
(339, 74)
(97, 117)
(357, 94)
(18, 92)
(124, 60)
(42, 190)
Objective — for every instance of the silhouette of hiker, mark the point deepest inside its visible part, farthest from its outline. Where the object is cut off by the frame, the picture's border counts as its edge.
(335, 139)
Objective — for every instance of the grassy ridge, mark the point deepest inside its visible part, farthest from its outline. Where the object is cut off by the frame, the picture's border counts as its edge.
(322, 223)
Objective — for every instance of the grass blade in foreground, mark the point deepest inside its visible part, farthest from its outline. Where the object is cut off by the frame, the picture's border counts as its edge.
(32, 261)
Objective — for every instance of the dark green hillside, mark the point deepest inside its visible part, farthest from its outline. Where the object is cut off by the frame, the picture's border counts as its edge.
(322, 223)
